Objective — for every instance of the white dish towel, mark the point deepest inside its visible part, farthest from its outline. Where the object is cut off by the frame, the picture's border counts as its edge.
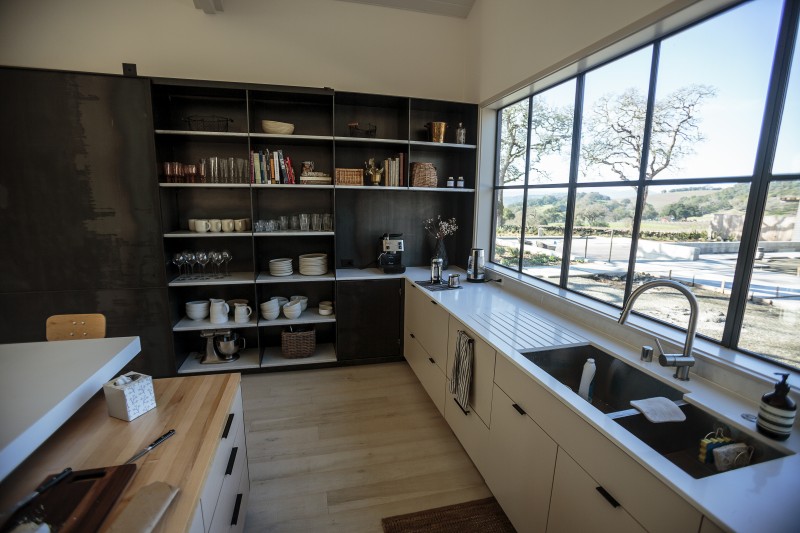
(462, 370)
(659, 409)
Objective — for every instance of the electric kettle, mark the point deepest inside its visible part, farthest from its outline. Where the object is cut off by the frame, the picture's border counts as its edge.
(476, 267)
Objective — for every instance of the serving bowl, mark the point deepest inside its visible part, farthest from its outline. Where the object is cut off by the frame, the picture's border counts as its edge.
(278, 128)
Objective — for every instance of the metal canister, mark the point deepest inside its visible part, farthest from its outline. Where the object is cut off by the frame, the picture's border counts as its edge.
(436, 270)
(453, 280)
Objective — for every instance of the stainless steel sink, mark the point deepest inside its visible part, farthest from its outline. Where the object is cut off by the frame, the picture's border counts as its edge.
(680, 441)
(615, 383)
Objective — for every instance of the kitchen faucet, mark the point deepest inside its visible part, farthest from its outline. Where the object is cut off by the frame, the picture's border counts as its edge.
(681, 361)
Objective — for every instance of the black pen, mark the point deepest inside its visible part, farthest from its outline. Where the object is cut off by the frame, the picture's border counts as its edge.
(152, 445)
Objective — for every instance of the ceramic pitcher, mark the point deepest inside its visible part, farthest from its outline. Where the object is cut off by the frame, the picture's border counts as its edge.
(219, 311)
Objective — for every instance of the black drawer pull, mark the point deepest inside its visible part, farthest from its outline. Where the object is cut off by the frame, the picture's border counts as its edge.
(434, 303)
(231, 461)
(431, 360)
(459, 406)
(411, 335)
(236, 508)
(609, 498)
(228, 425)
(519, 409)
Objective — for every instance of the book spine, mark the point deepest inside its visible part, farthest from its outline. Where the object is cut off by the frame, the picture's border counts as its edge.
(284, 177)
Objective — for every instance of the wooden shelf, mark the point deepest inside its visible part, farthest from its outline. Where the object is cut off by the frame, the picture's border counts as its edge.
(368, 140)
(208, 134)
(428, 144)
(235, 278)
(205, 185)
(263, 277)
(290, 138)
(248, 360)
(309, 316)
(325, 353)
(187, 324)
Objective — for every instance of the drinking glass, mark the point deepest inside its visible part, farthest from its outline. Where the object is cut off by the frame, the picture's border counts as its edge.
(202, 260)
(179, 260)
(304, 220)
(224, 171)
(226, 257)
(327, 222)
(284, 223)
(241, 168)
(295, 222)
(191, 259)
(316, 222)
(213, 169)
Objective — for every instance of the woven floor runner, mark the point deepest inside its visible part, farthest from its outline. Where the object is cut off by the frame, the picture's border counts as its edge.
(483, 516)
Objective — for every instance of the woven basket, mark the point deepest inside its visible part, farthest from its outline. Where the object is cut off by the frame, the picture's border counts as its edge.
(349, 176)
(298, 344)
(423, 175)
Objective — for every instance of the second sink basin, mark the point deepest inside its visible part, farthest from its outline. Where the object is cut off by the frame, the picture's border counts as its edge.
(615, 383)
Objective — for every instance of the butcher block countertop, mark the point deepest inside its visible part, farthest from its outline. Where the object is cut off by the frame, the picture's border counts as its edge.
(196, 407)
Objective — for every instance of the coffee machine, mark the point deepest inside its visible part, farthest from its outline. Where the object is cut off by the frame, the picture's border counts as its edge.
(391, 258)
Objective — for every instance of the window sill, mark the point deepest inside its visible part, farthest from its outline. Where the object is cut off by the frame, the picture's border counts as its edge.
(741, 373)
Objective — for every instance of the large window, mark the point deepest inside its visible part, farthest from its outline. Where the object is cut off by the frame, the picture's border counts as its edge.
(677, 140)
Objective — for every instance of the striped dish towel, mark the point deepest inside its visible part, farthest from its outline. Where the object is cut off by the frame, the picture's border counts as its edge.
(462, 370)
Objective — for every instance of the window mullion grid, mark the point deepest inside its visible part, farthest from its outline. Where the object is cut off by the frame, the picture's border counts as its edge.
(496, 187)
(645, 157)
(765, 155)
(525, 190)
(574, 160)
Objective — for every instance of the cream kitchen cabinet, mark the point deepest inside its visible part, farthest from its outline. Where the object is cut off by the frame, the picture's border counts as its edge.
(480, 397)
(428, 372)
(519, 465)
(580, 504)
(648, 500)
(427, 322)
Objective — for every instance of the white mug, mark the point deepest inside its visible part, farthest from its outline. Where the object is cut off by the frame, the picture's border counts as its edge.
(241, 313)
(216, 225)
(240, 224)
(201, 225)
(191, 223)
(227, 225)
(219, 311)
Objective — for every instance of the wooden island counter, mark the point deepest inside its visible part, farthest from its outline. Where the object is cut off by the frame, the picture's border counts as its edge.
(206, 458)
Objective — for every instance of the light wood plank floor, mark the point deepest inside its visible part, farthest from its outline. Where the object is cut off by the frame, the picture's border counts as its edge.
(338, 449)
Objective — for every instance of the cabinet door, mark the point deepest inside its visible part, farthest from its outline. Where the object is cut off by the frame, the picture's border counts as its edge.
(579, 503)
(520, 463)
(480, 394)
(427, 322)
(369, 319)
(428, 373)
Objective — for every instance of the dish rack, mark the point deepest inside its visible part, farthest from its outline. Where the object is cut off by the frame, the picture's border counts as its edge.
(208, 123)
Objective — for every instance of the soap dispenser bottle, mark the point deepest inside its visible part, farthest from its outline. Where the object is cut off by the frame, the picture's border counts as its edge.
(777, 410)
(586, 388)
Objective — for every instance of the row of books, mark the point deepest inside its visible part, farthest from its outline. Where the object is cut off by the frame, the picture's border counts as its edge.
(394, 171)
(271, 167)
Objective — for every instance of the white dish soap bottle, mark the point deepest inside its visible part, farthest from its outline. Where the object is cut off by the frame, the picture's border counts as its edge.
(587, 379)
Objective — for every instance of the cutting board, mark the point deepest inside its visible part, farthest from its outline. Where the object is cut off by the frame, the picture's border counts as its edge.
(79, 503)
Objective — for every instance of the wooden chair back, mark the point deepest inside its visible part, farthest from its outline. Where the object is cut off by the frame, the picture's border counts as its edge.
(75, 327)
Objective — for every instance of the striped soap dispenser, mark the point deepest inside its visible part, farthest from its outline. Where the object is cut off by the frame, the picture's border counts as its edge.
(777, 410)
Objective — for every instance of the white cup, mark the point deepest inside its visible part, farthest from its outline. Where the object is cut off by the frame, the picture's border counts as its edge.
(240, 224)
(201, 225)
(227, 225)
(216, 225)
(191, 223)
(241, 313)
(219, 311)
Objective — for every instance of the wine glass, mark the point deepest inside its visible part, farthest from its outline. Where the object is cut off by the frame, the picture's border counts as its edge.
(226, 257)
(179, 260)
(211, 256)
(202, 260)
(218, 260)
(191, 259)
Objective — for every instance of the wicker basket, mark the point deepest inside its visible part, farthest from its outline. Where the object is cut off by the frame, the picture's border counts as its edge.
(423, 175)
(349, 176)
(207, 122)
(298, 344)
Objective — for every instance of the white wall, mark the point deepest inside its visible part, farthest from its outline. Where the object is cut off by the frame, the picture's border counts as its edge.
(512, 42)
(315, 43)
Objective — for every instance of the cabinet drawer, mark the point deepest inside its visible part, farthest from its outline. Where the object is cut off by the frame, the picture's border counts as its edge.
(480, 394)
(240, 505)
(469, 429)
(428, 322)
(428, 373)
(235, 469)
(234, 426)
(646, 498)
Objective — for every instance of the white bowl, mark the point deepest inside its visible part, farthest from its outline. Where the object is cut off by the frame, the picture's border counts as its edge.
(270, 305)
(197, 310)
(292, 310)
(326, 302)
(325, 311)
(270, 315)
(302, 299)
(281, 300)
(275, 127)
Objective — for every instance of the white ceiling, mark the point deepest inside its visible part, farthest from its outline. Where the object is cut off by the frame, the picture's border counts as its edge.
(450, 8)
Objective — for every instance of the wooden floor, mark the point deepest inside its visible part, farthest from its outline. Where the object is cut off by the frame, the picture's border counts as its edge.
(338, 449)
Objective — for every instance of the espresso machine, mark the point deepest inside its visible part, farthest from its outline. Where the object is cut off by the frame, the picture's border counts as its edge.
(391, 258)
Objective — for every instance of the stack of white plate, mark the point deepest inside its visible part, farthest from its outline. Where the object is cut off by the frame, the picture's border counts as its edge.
(280, 267)
(313, 264)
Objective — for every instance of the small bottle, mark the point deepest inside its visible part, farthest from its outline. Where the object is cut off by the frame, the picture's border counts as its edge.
(460, 182)
(777, 410)
(450, 182)
(587, 380)
(461, 134)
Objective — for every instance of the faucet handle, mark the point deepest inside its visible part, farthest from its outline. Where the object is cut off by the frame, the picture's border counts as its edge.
(660, 348)
(647, 354)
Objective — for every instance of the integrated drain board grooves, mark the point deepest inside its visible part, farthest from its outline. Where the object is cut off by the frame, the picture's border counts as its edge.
(524, 330)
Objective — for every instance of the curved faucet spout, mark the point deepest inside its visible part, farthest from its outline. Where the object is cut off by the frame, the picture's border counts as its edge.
(668, 359)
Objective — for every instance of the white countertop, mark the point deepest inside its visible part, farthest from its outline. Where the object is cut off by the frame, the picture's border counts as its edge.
(760, 497)
(42, 384)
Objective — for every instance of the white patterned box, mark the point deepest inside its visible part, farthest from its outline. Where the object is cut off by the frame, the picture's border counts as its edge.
(129, 398)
